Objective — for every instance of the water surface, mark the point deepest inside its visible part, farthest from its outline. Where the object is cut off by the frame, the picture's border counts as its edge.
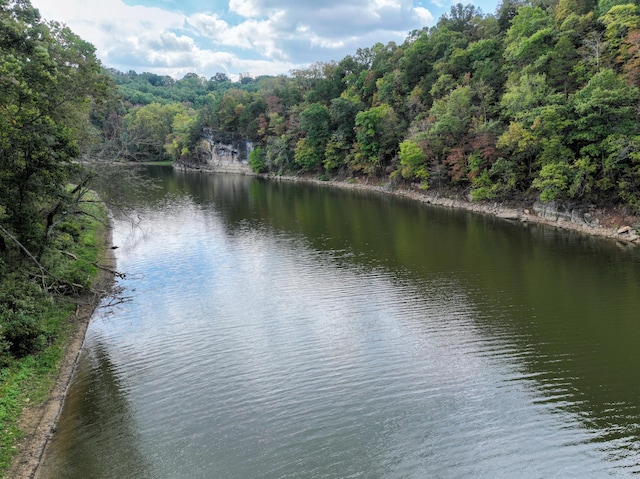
(283, 330)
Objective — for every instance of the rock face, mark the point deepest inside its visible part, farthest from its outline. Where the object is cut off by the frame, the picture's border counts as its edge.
(509, 215)
(627, 233)
(218, 151)
(580, 216)
(558, 212)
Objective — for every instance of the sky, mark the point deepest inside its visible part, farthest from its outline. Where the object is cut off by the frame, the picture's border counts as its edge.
(239, 37)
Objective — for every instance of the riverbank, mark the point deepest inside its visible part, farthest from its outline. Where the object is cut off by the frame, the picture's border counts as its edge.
(38, 419)
(616, 224)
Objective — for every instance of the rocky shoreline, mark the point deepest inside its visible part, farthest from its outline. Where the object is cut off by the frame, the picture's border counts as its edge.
(224, 153)
(614, 224)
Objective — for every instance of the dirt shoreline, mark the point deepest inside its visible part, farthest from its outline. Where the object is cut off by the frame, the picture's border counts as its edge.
(38, 422)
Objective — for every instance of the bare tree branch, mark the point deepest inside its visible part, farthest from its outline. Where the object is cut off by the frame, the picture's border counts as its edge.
(43, 270)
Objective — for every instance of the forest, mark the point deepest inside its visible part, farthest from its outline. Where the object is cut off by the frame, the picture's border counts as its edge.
(536, 101)
(50, 80)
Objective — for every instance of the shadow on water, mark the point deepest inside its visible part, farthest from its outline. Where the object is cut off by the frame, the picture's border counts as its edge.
(98, 398)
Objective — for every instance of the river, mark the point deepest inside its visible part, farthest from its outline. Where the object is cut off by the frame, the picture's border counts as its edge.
(282, 330)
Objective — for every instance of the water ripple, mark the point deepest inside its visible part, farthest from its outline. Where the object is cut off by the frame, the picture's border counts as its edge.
(249, 353)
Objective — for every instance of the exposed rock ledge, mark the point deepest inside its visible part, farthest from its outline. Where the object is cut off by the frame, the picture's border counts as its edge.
(219, 152)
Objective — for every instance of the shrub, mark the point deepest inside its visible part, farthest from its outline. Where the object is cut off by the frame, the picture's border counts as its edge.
(22, 325)
(257, 160)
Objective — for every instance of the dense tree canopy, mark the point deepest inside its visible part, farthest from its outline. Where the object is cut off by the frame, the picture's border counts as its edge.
(48, 79)
(52, 89)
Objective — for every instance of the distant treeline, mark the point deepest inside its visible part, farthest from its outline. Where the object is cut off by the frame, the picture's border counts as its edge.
(540, 98)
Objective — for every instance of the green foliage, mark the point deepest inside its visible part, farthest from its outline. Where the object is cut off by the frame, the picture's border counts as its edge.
(605, 105)
(483, 188)
(146, 88)
(619, 20)
(178, 141)
(314, 124)
(452, 116)
(22, 318)
(524, 95)
(621, 168)
(553, 181)
(390, 91)
(30, 296)
(152, 128)
(423, 51)
(485, 58)
(562, 61)
(377, 132)
(307, 155)
(498, 182)
(48, 79)
(336, 152)
(280, 157)
(343, 113)
(412, 161)
(527, 38)
(465, 19)
(258, 160)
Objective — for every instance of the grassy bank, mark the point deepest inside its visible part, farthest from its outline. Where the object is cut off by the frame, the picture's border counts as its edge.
(48, 317)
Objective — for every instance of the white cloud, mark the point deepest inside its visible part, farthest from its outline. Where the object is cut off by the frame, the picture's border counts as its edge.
(380, 7)
(424, 15)
(255, 36)
(246, 8)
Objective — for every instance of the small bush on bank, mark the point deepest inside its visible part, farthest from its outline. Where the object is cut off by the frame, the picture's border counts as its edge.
(22, 317)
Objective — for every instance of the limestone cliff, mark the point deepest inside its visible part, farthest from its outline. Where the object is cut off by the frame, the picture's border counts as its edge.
(219, 151)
